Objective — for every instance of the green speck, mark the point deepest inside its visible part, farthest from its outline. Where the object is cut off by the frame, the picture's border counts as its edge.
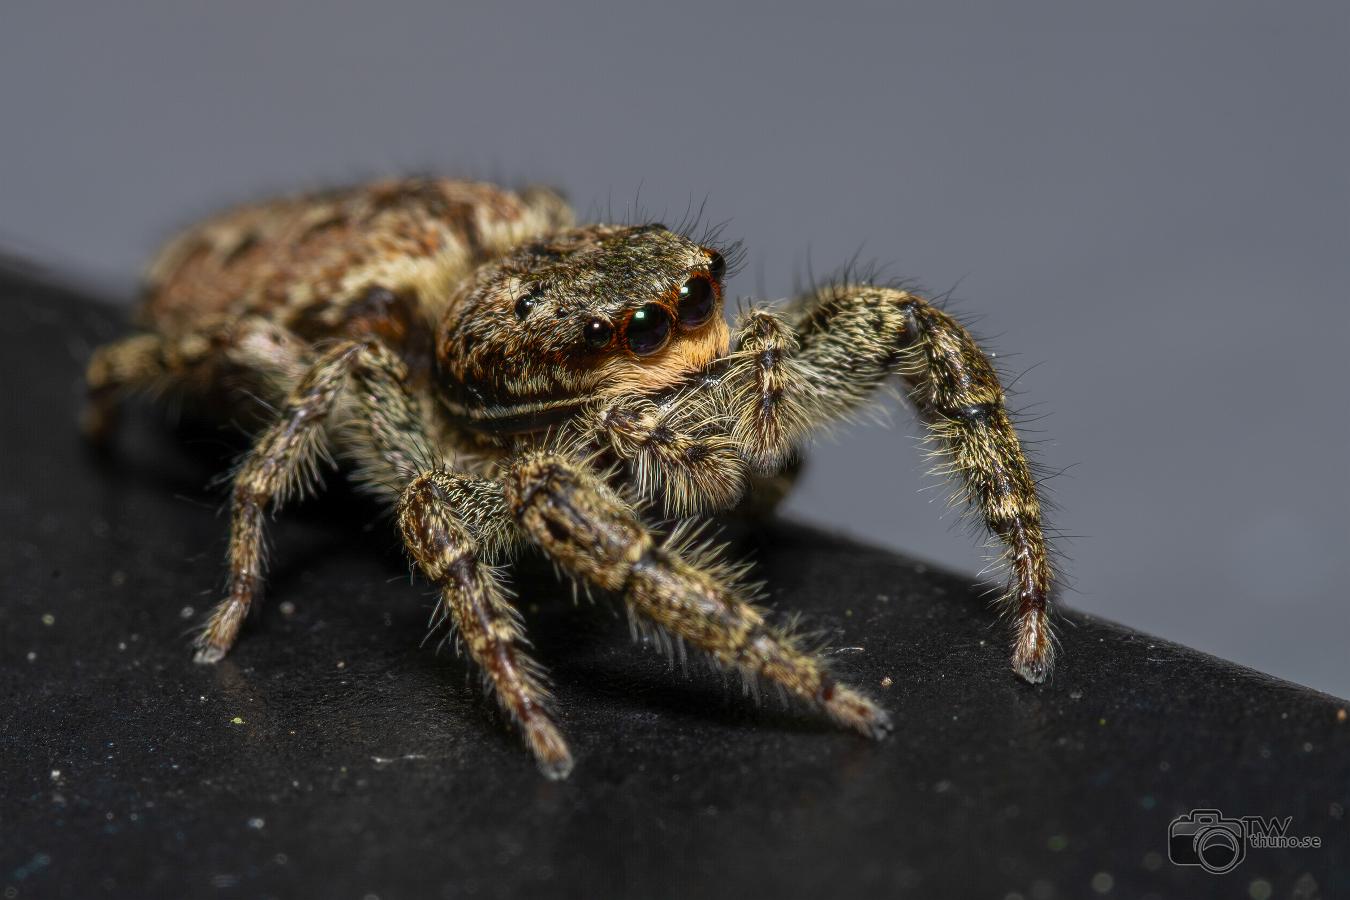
(48, 619)
(238, 721)
(1101, 721)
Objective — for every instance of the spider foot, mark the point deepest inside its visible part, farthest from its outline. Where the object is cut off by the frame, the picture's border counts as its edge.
(852, 710)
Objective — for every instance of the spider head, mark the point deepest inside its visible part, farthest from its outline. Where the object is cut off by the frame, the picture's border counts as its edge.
(596, 310)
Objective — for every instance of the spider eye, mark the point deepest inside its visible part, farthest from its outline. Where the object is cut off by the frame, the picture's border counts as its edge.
(598, 333)
(717, 265)
(648, 330)
(697, 301)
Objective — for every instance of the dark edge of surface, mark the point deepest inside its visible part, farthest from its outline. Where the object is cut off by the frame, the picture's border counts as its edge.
(332, 755)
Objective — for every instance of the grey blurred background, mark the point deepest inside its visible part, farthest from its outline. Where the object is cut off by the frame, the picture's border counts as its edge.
(1143, 205)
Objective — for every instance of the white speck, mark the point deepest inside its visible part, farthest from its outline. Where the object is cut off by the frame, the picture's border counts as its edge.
(1307, 746)
(56, 774)
(48, 619)
(186, 612)
(1102, 882)
(122, 645)
(256, 823)
(287, 608)
(386, 760)
(1075, 695)
(31, 656)
(342, 664)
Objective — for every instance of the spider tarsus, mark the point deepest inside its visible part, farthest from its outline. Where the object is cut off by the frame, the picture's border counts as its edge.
(209, 654)
(550, 749)
(1034, 651)
(854, 711)
(1034, 668)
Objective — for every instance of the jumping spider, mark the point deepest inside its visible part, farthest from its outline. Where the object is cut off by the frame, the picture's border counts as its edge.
(504, 377)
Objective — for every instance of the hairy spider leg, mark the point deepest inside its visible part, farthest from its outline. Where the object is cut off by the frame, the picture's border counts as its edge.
(788, 377)
(266, 357)
(583, 526)
(471, 595)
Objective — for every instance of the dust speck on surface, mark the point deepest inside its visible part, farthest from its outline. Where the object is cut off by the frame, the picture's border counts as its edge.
(257, 823)
(1259, 889)
(186, 612)
(1102, 882)
(887, 681)
(48, 619)
(237, 720)
(287, 608)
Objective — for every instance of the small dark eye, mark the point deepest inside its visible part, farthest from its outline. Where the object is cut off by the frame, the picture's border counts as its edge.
(523, 307)
(648, 330)
(697, 301)
(598, 333)
(717, 266)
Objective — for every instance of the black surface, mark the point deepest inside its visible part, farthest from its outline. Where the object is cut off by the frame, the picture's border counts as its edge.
(331, 755)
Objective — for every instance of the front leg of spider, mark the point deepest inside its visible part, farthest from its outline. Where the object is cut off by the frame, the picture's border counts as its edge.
(596, 538)
(791, 375)
(474, 602)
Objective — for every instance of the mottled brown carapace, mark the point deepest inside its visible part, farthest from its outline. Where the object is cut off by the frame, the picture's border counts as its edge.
(507, 378)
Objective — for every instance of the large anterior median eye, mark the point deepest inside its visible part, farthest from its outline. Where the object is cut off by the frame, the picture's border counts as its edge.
(648, 329)
(697, 301)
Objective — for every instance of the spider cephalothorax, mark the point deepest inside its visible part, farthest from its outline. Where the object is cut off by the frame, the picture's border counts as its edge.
(589, 311)
(506, 378)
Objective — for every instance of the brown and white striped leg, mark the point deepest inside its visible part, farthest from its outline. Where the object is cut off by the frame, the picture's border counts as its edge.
(788, 377)
(283, 460)
(473, 600)
(594, 536)
(261, 354)
(678, 453)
